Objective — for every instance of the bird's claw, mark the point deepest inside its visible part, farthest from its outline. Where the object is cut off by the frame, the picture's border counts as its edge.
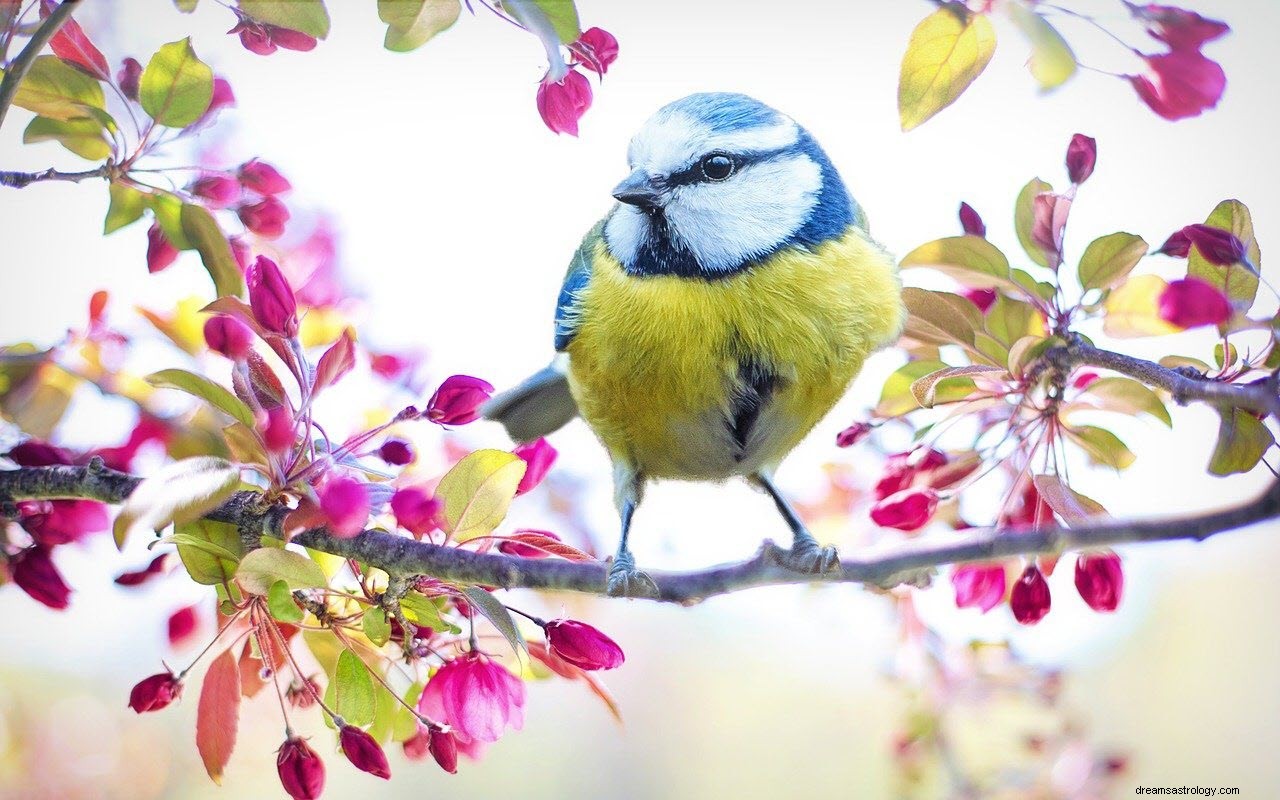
(810, 558)
(627, 581)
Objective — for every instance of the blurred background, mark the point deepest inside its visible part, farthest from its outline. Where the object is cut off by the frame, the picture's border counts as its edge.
(455, 212)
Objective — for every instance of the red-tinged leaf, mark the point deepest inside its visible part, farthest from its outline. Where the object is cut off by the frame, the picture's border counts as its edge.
(1073, 507)
(71, 44)
(218, 715)
(549, 545)
(336, 362)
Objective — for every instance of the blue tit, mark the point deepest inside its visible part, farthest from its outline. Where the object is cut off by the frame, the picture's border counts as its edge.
(716, 314)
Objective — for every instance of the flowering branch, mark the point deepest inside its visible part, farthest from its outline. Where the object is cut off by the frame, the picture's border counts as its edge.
(883, 566)
(18, 69)
(19, 180)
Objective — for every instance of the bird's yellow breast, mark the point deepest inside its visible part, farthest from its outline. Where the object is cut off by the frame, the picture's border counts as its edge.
(656, 365)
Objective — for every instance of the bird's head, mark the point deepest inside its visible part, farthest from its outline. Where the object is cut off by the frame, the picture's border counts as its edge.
(718, 182)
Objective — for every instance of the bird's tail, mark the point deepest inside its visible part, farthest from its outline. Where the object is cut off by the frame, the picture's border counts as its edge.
(538, 406)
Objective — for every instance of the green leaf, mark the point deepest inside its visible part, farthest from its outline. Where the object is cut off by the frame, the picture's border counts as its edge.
(307, 16)
(477, 491)
(948, 50)
(496, 613)
(55, 89)
(281, 604)
(411, 23)
(940, 317)
(1073, 507)
(201, 545)
(1127, 396)
(1102, 446)
(1008, 320)
(179, 492)
(1133, 309)
(260, 569)
(386, 709)
(1236, 281)
(1024, 215)
(210, 242)
(1242, 441)
(896, 397)
(1109, 259)
(205, 389)
(168, 210)
(352, 689)
(958, 381)
(176, 86)
(1026, 350)
(85, 136)
(185, 6)
(1225, 357)
(563, 15)
(126, 207)
(424, 611)
(971, 260)
(376, 626)
(1052, 62)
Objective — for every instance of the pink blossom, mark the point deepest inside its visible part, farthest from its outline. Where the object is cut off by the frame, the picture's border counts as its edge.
(345, 503)
(34, 572)
(261, 177)
(1100, 580)
(1192, 302)
(55, 522)
(267, 217)
(182, 625)
(595, 50)
(218, 191)
(1176, 27)
(984, 299)
(1180, 84)
(138, 577)
(562, 103)
(1084, 379)
(476, 696)
(907, 510)
(458, 400)
(263, 39)
(978, 585)
(538, 457)
(853, 434)
(416, 511)
(278, 429)
(228, 336)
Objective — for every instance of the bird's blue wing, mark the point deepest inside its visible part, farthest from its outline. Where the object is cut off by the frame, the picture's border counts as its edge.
(579, 273)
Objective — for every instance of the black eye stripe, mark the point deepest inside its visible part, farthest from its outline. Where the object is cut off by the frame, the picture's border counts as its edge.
(694, 174)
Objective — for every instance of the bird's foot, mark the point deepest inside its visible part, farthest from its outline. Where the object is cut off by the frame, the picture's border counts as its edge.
(627, 581)
(809, 557)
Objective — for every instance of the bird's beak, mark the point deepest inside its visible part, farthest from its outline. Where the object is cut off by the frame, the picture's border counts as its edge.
(638, 189)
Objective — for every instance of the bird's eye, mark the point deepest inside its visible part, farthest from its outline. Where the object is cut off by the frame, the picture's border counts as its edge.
(717, 167)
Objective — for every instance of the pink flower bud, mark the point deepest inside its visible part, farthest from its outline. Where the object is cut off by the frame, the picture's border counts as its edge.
(301, 770)
(138, 577)
(222, 97)
(34, 572)
(1178, 245)
(1082, 154)
(160, 253)
(1100, 580)
(278, 429)
(254, 37)
(444, 749)
(388, 365)
(1192, 302)
(901, 469)
(228, 336)
(971, 222)
(218, 190)
(984, 299)
(1218, 246)
(267, 217)
(55, 522)
(458, 400)
(1030, 597)
(1180, 84)
(538, 457)
(261, 177)
(35, 453)
(290, 39)
(853, 434)
(396, 452)
(415, 510)
(272, 300)
(155, 692)
(1176, 27)
(907, 510)
(128, 77)
(1084, 379)
(364, 752)
(562, 103)
(595, 50)
(978, 585)
(345, 503)
(582, 645)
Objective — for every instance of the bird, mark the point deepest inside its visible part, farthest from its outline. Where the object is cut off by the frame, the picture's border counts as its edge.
(715, 314)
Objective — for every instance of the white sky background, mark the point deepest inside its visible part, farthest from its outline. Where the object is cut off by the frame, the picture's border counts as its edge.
(457, 212)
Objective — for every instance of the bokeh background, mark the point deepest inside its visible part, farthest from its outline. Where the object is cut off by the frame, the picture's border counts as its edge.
(456, 211)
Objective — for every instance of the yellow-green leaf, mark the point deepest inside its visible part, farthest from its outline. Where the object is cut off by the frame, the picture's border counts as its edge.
(1236, 281)
(972, 260)
(958, 379)
(376, 627)
(1102, 446)
(179, 492)
(947, 51)
(210, 242)
(1073, 507)
(563, 15)
(125, 208)
(896, 397)
(260, 569)
(1109, 259)
(1024, 216)
(55, 89)
(281, 604)
(1126, 396)
(1133, 309)
(1242, 441)
(168, 210)
(411, 23)
(940, 317)
(307, 16)
(477, 492)
(176, 86)
(1052, 61)
(203, 546)
(352, 690)
(84, 136)
(205, 389)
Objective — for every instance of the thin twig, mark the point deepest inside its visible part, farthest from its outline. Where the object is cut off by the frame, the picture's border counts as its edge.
(18, 69)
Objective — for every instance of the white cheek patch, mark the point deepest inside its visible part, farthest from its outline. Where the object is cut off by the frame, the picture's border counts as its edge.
(625, 232)
(673, 140)
(746, 216)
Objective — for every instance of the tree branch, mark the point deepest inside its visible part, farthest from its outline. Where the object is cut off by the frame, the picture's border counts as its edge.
(19, 180)
(885, 566)
(18, 69)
